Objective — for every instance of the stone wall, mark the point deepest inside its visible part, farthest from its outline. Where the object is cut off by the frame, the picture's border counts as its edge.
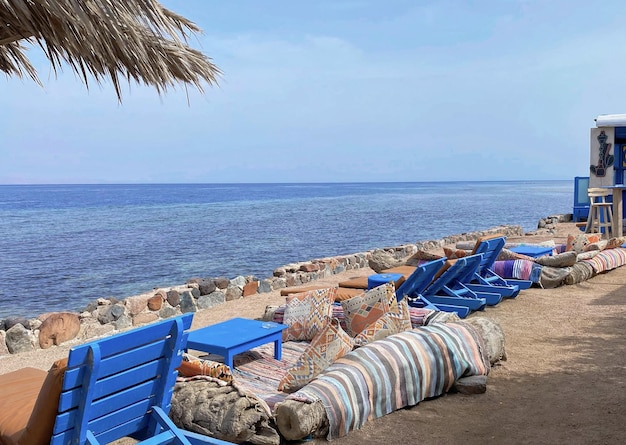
(107, 315)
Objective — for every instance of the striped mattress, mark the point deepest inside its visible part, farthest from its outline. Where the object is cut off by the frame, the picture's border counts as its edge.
(393, 373)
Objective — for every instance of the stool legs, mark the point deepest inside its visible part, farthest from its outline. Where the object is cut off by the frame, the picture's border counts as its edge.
(600, 217)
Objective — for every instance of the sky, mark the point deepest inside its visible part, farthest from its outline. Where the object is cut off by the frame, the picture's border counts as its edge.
(339, 91)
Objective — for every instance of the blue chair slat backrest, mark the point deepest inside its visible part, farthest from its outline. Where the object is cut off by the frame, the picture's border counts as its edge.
(122, 385)
(449, 276)
(490, 248)
(423, 275)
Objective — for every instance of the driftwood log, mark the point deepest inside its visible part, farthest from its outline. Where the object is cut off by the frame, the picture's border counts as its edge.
(218, 409)
(297, 419)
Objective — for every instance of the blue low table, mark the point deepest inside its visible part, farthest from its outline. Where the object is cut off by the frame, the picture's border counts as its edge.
(533, 251)
(237, 335)
(381, 278)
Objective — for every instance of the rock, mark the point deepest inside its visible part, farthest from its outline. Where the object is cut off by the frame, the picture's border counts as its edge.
(58, 328)
(90, 328)
(475, 384)
(206, 287)
(233, 292)
(382, 260)
(265, 286)
(221, 282)
(493, 336)
(250, 288)
(3, 343)
(213, 299)
(167, 312)
(195, 292)
(173, 298)
(136, 304)
(238, 281)
(187, 302)
(19, 339)
(10, 322)
(108, 314)
(145, 318)
(125, 321)
(309, 267)
(155, 303)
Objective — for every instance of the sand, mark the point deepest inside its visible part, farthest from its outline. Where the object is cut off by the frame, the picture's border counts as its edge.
(564, 380)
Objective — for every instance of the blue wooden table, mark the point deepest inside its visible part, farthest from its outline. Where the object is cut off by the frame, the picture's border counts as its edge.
(532, 251)
(237, 335)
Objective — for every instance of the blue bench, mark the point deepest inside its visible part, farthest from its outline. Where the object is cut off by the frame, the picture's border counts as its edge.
(107, 389)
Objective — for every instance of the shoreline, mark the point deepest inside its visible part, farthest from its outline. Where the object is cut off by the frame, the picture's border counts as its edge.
(202, 296)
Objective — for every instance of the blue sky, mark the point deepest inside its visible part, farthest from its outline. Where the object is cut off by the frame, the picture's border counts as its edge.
(335, 91)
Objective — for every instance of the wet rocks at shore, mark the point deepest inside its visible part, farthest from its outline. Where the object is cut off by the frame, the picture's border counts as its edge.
(107, 315)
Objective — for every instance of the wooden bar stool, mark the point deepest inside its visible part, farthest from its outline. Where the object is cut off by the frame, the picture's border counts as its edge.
(600, 212)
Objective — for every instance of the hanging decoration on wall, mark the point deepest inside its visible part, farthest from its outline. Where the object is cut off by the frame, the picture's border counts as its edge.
(605, 158)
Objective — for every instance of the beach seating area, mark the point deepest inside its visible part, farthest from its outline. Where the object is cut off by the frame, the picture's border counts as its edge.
(295, 378)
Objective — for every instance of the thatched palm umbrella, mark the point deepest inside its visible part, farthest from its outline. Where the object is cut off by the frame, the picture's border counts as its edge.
(115, 39)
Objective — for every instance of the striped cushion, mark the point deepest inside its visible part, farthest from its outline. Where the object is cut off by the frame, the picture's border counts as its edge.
(307, 313)
(361, 311)
(330, 344)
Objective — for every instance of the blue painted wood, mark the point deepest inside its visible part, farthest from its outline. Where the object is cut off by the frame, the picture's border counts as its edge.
(491, 248)
(582, 203)
(236, 335)
(379, 279)
(448, 290)
(418, 281)
(122, 385)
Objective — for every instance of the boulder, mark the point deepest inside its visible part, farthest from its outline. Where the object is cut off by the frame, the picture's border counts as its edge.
(381, 260)
(168, 311)
(145, 318)
(3, 343)
(213, 299)
(136, 304)
(492, 335)
(474, 384)
(206, 287)
(250, 288)
(173, 298)
(58, 328)
(221, 282)
(233, 292)
(155, 303)
(19, 339)
(187, 302)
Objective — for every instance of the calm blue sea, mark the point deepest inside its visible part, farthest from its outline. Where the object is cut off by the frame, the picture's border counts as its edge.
(62, 246)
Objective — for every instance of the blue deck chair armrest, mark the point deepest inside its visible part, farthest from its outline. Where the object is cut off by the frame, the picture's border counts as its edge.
(199, 439)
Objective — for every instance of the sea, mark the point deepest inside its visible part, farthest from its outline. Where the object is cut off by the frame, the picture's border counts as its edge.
(64, 246)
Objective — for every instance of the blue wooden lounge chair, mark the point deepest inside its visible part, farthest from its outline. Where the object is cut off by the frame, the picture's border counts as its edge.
(414, 285)
(122, 386)
(105, 390)
(491, 246)
(446, 289)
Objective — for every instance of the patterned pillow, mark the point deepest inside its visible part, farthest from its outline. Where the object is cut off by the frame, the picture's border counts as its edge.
(192, 366)
(330, 344)
(577, 243)
(616, 242)
(453, 254)
(307, 313)
(361, 311)
(392, 322)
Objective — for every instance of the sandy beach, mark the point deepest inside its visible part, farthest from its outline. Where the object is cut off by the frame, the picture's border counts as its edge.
(564, 380)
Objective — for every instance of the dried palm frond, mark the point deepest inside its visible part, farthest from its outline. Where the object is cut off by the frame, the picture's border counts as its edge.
(136, 40)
